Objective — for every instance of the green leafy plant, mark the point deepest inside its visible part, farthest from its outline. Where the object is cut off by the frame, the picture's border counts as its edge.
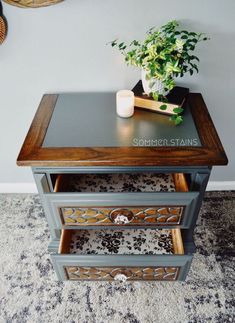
(166, 53)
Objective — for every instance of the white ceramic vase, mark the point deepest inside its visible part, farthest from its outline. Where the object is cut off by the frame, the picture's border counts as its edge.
(152, 85)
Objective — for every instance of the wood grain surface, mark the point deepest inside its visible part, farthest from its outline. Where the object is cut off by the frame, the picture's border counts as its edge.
(210, 153)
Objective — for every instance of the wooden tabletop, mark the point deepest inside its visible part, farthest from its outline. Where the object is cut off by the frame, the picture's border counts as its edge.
(82, 129)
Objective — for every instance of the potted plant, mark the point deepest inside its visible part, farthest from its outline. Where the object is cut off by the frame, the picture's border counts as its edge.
(165, 54)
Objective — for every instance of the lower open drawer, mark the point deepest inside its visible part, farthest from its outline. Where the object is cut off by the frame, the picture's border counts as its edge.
(140, 254)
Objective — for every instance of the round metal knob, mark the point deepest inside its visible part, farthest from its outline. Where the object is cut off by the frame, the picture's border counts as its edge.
(121, 216)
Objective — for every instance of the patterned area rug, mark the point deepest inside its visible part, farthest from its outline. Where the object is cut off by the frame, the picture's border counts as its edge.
(29, 291)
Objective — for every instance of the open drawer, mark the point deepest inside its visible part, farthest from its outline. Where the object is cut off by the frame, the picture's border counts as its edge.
(130, 200)
(140, 254)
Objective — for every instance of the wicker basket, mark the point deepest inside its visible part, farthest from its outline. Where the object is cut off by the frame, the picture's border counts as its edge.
(32, 3)
(3, 29)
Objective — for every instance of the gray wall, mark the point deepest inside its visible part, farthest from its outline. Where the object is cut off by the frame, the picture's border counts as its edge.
(62, 48)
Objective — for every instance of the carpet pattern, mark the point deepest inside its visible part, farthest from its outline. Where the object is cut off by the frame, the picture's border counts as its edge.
(29, 291)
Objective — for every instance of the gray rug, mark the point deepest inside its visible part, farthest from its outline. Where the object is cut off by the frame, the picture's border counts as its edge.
(29, 291)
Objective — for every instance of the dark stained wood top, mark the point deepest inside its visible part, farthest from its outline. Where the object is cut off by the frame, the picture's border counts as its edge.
(36, 150)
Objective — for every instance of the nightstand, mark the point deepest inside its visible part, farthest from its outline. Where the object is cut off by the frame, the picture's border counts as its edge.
(121, 196)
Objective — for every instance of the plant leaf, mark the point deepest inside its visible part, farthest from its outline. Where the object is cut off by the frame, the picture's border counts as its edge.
(155, 96)
(178, 110)
(163, 107)
(194, 57)
(178, 120)
(173, 117)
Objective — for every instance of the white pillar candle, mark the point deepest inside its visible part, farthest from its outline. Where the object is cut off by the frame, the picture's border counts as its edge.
(125, 103)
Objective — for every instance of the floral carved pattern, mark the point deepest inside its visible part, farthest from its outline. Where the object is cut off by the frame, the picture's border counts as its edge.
(130, 273)
(137, 216)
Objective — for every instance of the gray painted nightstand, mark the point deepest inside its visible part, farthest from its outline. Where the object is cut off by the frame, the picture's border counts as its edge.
(113, 177)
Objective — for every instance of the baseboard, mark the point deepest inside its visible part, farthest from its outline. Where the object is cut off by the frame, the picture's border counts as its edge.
(18, 188)
(31, 187)
(221, 186)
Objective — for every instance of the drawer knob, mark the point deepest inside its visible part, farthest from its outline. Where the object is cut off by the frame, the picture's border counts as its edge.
(121, 278)
(121, 219)
(121, 216)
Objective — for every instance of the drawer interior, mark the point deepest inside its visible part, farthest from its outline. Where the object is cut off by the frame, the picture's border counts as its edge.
(124, 242)
(120, 182)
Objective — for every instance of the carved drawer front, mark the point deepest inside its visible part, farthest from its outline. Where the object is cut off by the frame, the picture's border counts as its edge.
(162, 215)
(121, 254)
(171, 204)
(121, 273)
